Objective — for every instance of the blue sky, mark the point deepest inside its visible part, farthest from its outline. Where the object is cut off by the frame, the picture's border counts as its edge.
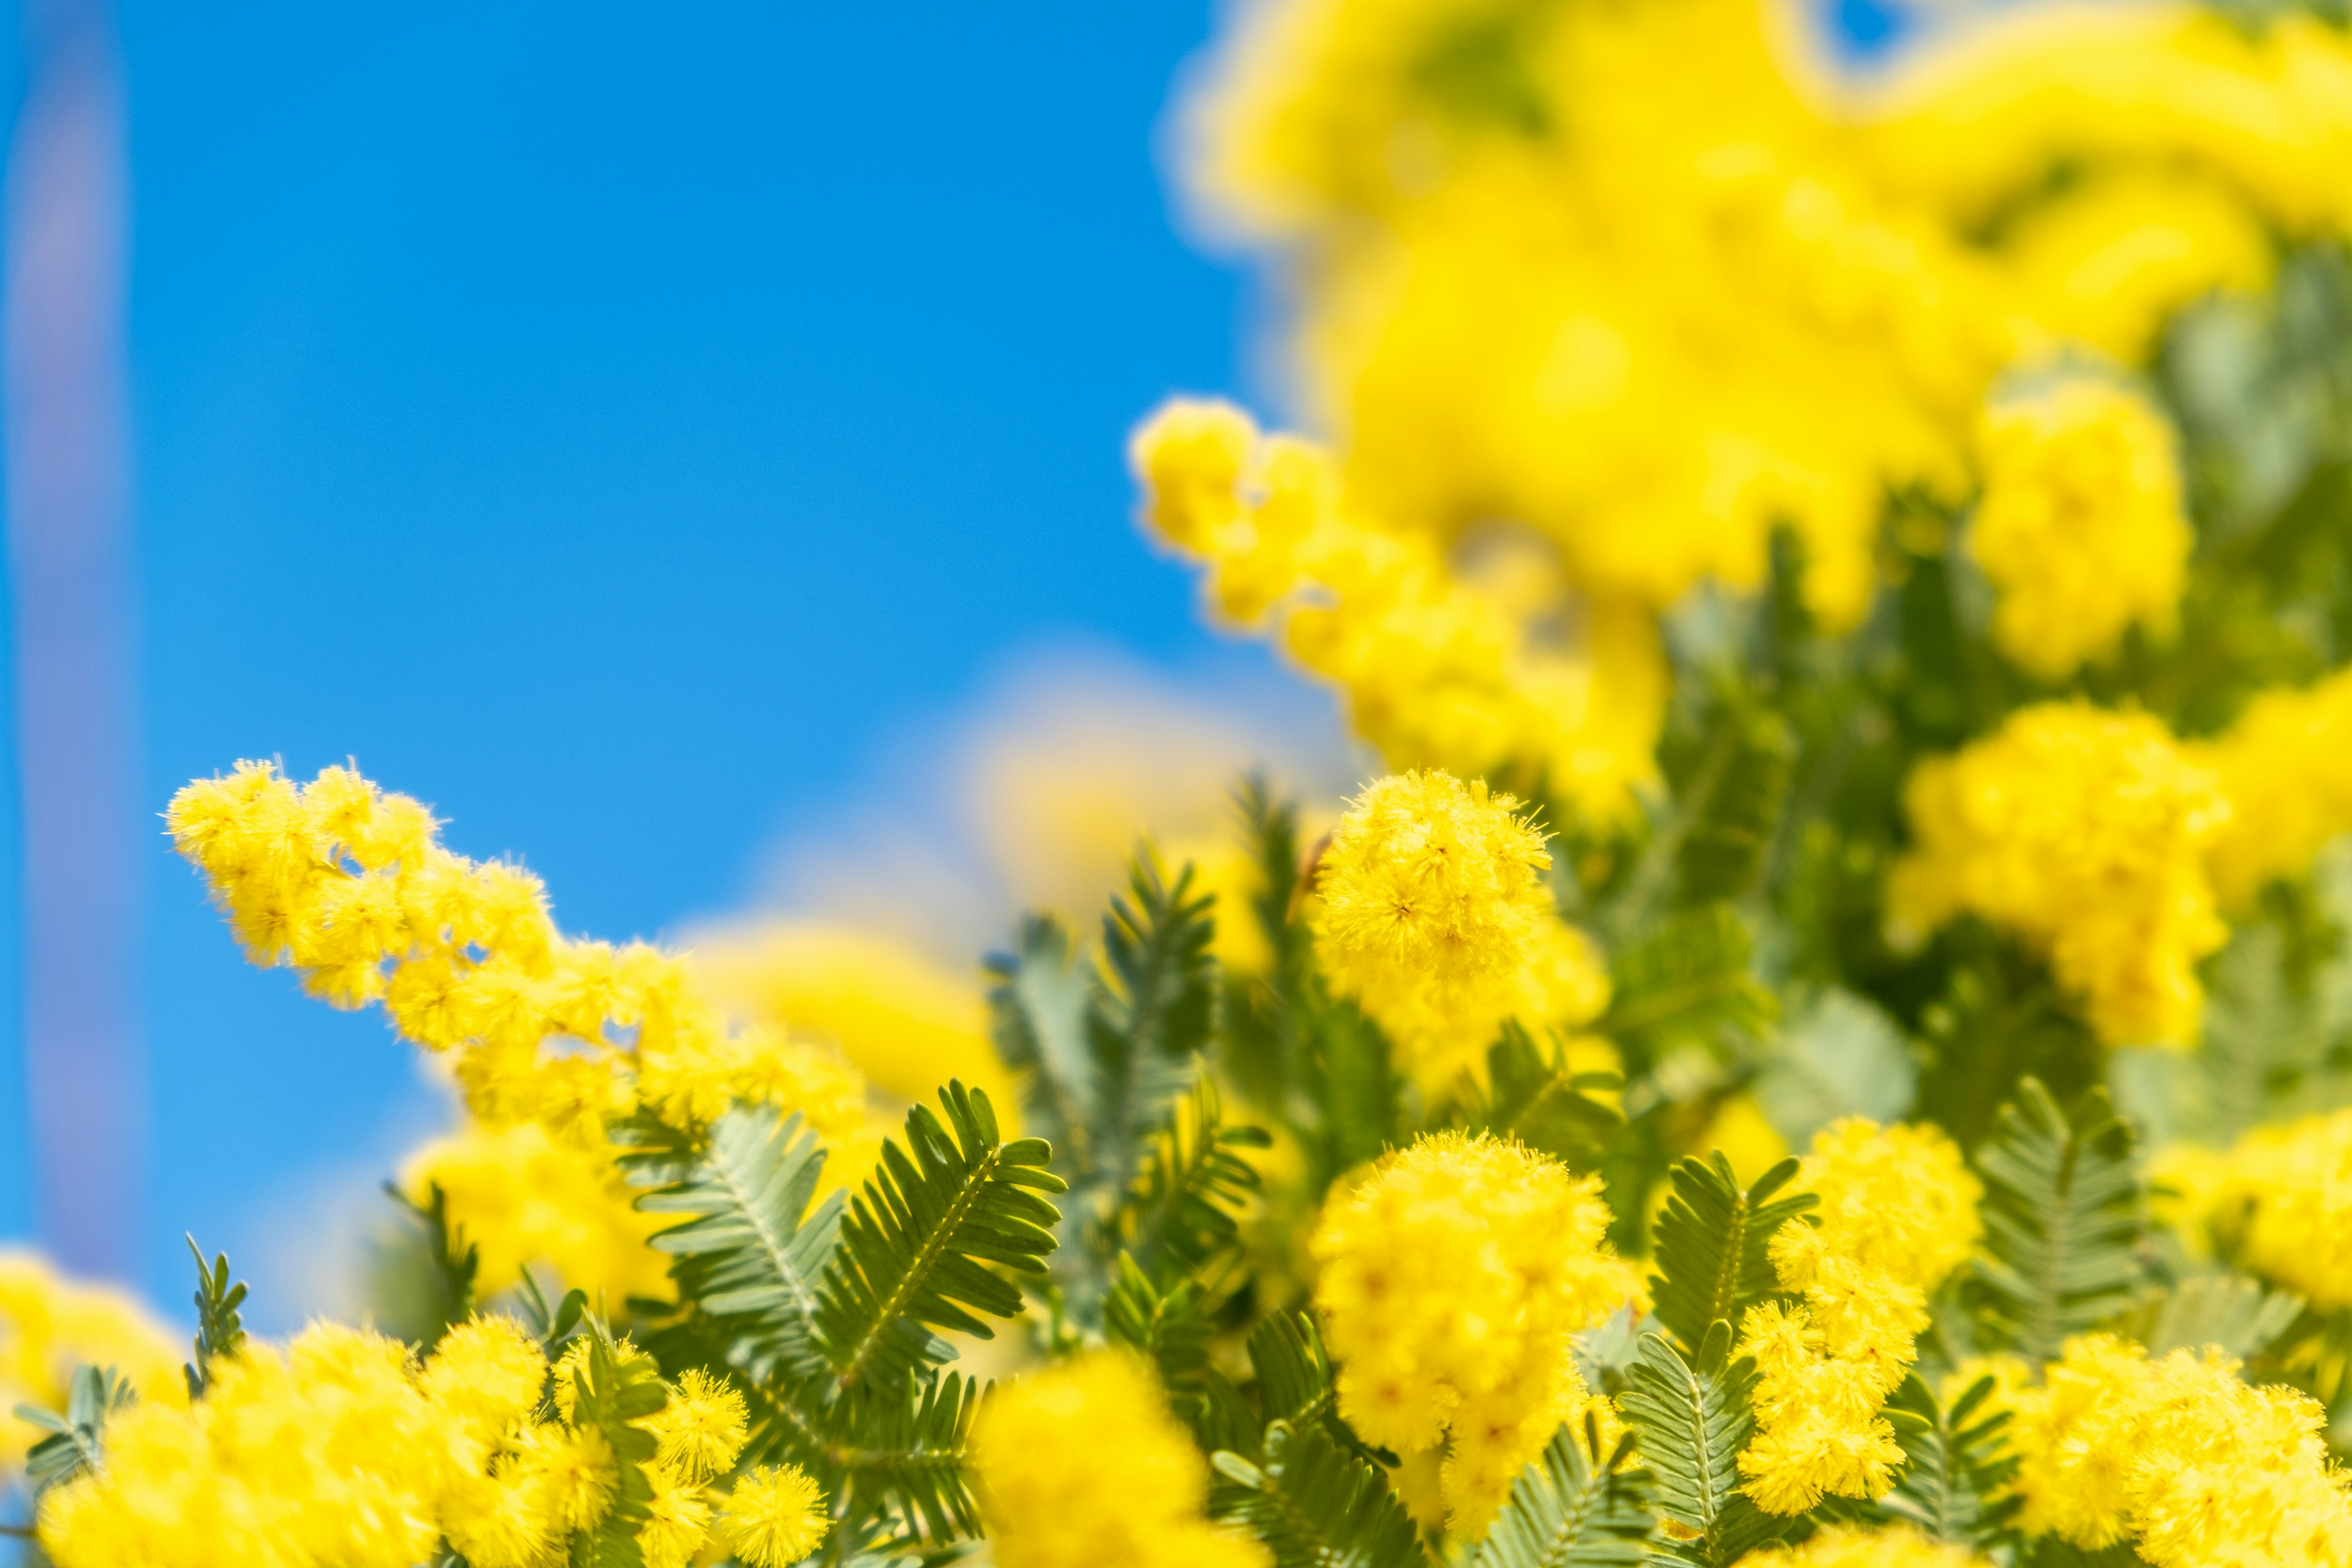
(611, 424)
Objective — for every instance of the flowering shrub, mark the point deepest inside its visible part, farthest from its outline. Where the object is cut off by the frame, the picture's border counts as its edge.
(1832, 1044)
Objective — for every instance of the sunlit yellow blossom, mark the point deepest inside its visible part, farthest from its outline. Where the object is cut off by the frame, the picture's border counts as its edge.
(904, 1022)
(1898, 1214)
(702, 1428)
(2079, 527)
(49, 1325)
(2286, 767)
(2084, 832)
(1082, 1465)
(351, 886)
(775, 1516)
(1450, 1280)
(2178, 1455)
(1853, 1546)
(1478, 657)
(2284, 1197)
(524, 1198)
(1437, 922)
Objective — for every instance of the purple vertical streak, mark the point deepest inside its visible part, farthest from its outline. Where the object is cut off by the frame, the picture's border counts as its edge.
(63, 398)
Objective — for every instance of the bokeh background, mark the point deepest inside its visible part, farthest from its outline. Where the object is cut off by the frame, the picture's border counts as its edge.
(642, 432)
(660, 437)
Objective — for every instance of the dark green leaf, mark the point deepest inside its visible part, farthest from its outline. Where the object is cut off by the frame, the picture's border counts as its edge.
(1568, 1512)
(1691, 1418)
(1713, 1245)
(1315, 1505)
(2061, 1214)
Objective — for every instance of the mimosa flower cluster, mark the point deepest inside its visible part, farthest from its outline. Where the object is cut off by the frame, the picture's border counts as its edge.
(1848, 577)
(1083, 1465)
(1437, 922)
(1451, 1281)
(1897, 1214)
(2178, 1455)
(343, 1450)
(351, 886)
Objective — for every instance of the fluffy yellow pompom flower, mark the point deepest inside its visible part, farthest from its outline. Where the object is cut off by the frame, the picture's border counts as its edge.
(1898, 1214)
(1853, 1546)
(51, 1325)
(775, 1516)
(350, 886)
(1450, 1280)
(1477, 660)
(1437, 922)
(2079, 527)
(2084, 832)
(523, 1197)
(1082, 1465)
(2178, 1455)
(2285, 1195)
(701, 1429)
(2286, 767)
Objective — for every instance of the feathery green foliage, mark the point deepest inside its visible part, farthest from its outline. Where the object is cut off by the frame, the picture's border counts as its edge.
(453, 1264)
(75, 1440)
(1180, 1213)
(2230, 1310)
(1691, 1418)
(1567, 1511)
(749, 1251)
(2062, 1214)
(1686, 980)
(1713, 1245)
(1317, 1505)
(219, 1328)
(916, 1246)
(1955, 1465)
(1533, 1097)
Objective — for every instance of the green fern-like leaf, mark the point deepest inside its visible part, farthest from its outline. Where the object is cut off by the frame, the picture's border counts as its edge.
(1713, 1245)
(1181, 1210)
(1955, 1465)
(1691, 1418)
(2226, 1309)
(907, 1457)
(1533, 1097)
(75, 1441)
(1567, 1511)
(1037, 1018)
(2062, 1214)
(452, 1265)
(920, 1246)
(220, 1329)
(748, 1249)
(1314, 1505)
(1734, 794)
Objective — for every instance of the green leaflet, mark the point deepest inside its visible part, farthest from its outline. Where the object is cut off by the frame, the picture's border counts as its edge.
(917, 1246)
(1713, 1245)
(219, 1328)
(748, 1249)
(1105, 1051)
(1315, 1505)
(2062, 1214)
(1567, 1512)
(76, 1440)
(1692, 1418)
(1955, 1465)
(610, 1394)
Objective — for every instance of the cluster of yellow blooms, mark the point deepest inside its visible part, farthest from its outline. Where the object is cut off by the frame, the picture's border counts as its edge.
(2286, 767)
(2085, 832)
(1450, 1280)
(523, 1198)
(2177, 1454)
(2080, 528)
(2283, 1198)
(1082, 1465)
(2111, 846)
(49, 1325)
(1624, 274)
(1481, 664)
(1437, 922)
(350, 886)
(343, 1452)
(1898, 1213)
(1852, 1546)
